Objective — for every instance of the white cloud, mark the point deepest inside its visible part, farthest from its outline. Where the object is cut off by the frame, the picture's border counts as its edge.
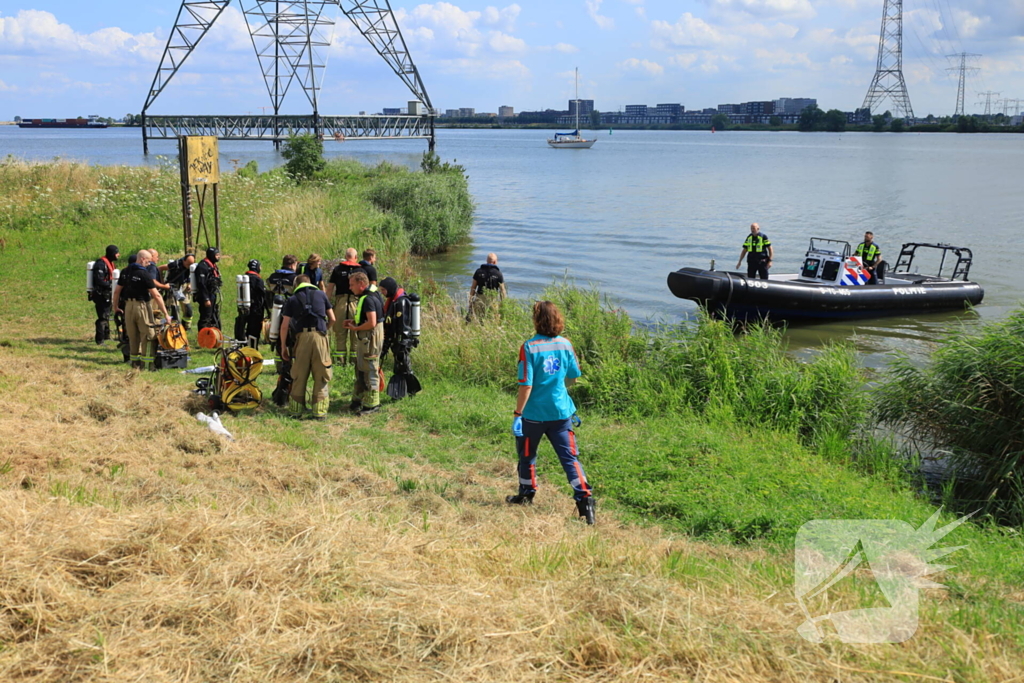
(504, 19)
(39, 32)
(594, 10)
(688, 31)
(7, 88)
(643, 66)
(511, 69)
(968, 24)
(502, 42)
(683, 60)
(566, 48)
(769, 8)
(771, 60)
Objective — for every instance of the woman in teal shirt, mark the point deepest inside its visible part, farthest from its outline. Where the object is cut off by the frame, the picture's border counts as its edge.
(547, 366)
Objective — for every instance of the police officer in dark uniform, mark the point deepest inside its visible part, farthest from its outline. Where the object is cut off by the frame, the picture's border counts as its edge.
(208, 284)
(871, 256)
(133, 296)
(488, 285)
(759, 252)
(103, 290)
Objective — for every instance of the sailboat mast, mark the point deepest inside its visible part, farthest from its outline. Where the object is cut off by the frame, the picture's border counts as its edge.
(577, 100)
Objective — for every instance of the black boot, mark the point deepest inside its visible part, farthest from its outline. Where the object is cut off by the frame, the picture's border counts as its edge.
(586, 509)
(520, 499)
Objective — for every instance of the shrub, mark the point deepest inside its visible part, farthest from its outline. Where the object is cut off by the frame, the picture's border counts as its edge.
(435, 208)
(305, 155)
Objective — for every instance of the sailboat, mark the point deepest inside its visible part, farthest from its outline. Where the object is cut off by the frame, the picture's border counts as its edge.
(572, 140)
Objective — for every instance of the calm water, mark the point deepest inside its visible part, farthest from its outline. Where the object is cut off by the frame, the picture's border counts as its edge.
(642, 203)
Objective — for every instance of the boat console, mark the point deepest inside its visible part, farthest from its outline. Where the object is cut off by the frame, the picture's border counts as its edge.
(828, 262)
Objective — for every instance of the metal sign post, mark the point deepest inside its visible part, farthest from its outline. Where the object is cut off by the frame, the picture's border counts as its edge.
(199, 160)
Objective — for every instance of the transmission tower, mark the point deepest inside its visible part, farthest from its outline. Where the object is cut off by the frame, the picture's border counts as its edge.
(888, 80)
(963, 70)
(988, 101)
(288, 36)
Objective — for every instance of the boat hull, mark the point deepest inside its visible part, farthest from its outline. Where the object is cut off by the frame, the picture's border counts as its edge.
(572, 144)
(736, 296)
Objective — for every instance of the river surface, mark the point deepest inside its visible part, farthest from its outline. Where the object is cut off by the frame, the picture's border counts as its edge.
(640, 204)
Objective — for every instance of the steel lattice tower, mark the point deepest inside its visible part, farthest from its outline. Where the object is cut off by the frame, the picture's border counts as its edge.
(962, 69)
(988, 101)
(286, 35)
(888, 80)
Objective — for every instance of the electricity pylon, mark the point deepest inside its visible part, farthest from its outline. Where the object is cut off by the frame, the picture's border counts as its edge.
(987, 101)
(286, 35)
(888, 80)
(963, 70)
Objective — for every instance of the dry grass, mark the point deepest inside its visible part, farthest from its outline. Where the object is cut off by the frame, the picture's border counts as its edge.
(138, 547)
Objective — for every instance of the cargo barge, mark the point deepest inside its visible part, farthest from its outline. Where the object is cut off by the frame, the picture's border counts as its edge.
(91, 122)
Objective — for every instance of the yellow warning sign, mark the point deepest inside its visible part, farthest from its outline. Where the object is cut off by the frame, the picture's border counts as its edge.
(202, 160)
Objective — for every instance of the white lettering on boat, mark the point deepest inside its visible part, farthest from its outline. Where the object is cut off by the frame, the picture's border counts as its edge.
(836, 290)
(910, 290)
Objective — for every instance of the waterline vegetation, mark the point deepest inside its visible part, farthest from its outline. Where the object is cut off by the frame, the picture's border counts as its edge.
(138, 545)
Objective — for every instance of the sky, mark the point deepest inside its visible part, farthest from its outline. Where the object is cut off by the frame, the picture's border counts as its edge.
(60, 58)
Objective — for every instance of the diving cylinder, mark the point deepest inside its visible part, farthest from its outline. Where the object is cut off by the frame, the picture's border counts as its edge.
(242, 284)
(414, 316)
(88, 276)
(275, 321)
(115, 276)
(192, 282)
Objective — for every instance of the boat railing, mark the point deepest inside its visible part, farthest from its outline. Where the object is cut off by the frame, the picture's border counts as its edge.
(961, 269)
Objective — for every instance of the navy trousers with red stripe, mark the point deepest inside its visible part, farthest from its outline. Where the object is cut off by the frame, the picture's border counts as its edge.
(563, 439)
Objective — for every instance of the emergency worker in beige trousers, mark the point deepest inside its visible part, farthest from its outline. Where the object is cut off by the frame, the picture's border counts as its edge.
(306, 320)
(137, 288)
(368, 324)
(345, 301)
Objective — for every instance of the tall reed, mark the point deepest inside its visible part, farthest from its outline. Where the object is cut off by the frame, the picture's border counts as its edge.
(970, 399)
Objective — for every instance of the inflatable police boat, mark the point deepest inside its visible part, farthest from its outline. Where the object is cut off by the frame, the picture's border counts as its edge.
(833, 285)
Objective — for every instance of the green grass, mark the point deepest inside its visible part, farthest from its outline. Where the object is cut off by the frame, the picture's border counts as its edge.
(721, 437)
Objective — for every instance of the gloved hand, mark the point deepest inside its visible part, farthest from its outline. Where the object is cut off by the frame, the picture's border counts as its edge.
(517, 425)
(576, 421)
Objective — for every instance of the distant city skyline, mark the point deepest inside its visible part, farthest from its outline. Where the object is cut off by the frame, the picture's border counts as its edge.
(62, 58)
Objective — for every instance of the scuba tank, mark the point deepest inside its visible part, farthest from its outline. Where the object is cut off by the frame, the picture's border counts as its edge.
(115, 276)
(192, 282)
(275, 320)
(414, 316)
(244, 294)
(89, 286)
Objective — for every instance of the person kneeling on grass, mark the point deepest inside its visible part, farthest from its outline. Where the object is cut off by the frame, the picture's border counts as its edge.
(547, 365)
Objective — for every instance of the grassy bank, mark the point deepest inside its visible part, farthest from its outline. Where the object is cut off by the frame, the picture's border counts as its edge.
(140, 546)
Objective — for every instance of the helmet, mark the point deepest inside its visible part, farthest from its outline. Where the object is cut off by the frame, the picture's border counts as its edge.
(211, 253)
(254, 266)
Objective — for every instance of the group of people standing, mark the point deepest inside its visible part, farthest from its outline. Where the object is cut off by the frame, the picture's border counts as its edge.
(310, 305)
